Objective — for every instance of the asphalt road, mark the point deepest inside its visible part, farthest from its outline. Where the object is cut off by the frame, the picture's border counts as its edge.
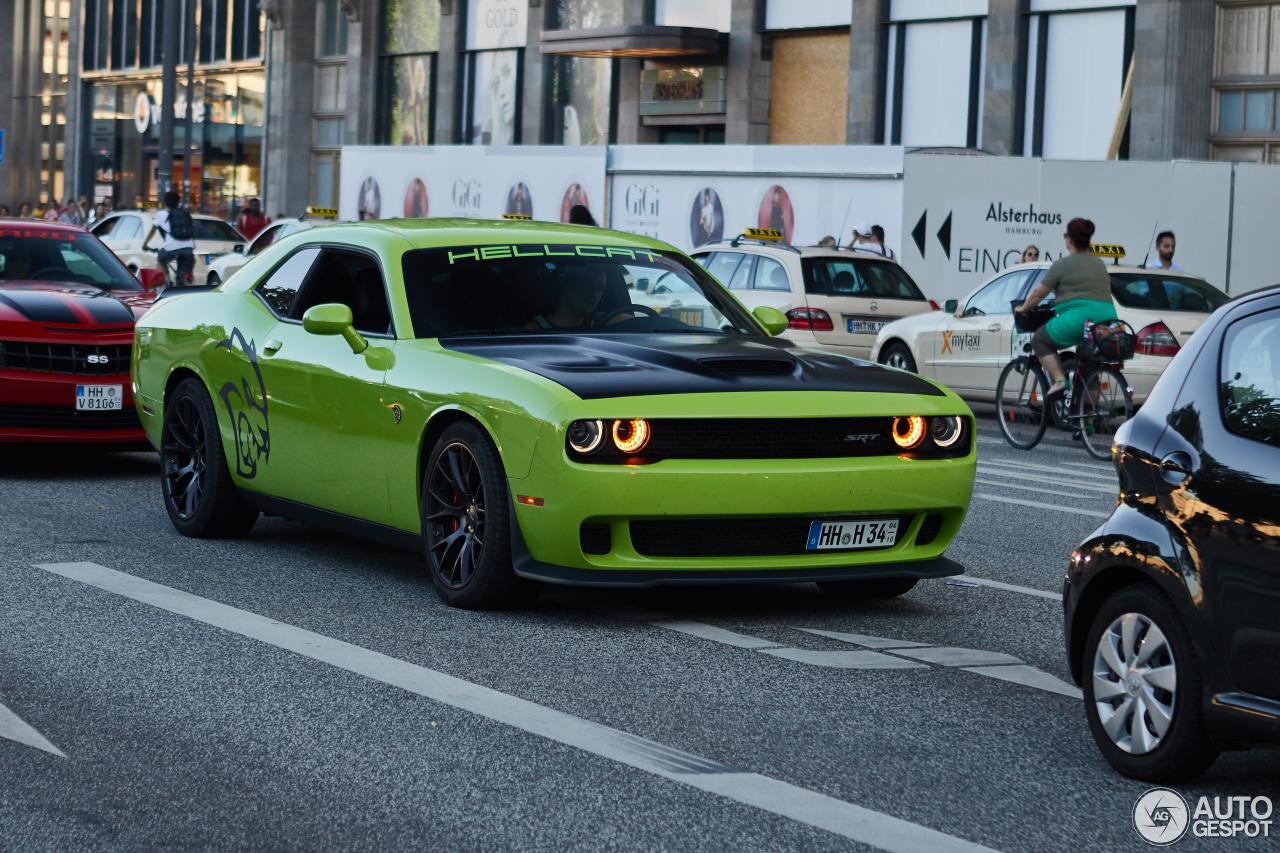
(302, 690)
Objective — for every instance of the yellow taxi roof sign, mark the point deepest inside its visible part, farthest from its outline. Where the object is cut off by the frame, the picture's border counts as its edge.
(772, 235)
(516, 216)
(322, 212)
(1107, 250)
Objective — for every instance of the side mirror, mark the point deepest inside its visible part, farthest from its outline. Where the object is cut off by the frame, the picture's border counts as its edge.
(152, 279)
(334, 319)
(951, 305)
(773, 320)
(238, 248)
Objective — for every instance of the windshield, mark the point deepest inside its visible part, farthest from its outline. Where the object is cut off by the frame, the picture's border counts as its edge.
(1156, 292)
(215, 229)
(835, 276)
(532, 288)
(71, 256)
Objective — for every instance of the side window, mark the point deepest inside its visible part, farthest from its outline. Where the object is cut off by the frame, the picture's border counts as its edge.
(742, 275)
(722, 265)
(266, 238)
(129, 228)
(280, 288)
(996, 297)
(347, 278)
(771, 275)
(104, 228)
(1250, 381)
(704, 260)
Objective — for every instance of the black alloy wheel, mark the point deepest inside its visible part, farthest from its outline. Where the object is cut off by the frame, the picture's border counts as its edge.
(184, 454)
(456, 513)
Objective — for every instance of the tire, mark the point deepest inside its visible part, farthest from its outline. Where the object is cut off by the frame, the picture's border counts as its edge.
(199, 495)
(466, 523)
(212, 279)
(897, 355)
(1184, 750)
(1020, 396)
(871, 589)
(1104, 404)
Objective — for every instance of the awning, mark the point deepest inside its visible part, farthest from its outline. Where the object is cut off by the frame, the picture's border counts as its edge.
(642, 41)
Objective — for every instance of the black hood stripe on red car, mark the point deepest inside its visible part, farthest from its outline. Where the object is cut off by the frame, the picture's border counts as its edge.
(46, 307)
(39, 307)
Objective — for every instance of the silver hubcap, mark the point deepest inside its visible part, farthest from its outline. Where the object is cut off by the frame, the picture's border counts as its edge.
(896, 360)
(1135, 683)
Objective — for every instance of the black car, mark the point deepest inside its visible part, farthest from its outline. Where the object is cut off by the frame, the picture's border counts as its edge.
(1173, 604)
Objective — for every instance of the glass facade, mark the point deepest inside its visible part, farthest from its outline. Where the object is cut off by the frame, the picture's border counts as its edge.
(409, 43)
(580, 89)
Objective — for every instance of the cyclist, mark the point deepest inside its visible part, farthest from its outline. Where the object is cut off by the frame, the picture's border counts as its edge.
(1083, 291)
(175, 224)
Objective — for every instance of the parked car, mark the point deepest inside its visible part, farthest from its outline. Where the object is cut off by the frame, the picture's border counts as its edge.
(222, 266)
(968, 343)
(835, 299)
(1172, 606)
(124, 232)
(67, 313)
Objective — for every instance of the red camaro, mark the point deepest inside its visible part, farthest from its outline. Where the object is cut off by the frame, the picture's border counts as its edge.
(67, 310)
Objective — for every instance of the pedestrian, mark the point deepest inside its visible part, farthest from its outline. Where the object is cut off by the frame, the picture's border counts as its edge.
(580, 214)
(175, 225)
(1030, 255)
(1166, 244)
(827, 242)
(878, 233)
(24, 210)
(52, 212)
(71, 214)
(251, 219)
(139, 201)
(864, 239)
(4, 211)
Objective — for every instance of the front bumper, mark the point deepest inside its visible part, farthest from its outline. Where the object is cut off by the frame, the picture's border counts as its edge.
(39, 408)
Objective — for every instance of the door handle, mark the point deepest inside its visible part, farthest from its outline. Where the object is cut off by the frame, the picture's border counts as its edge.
(271, 347)
(1175, 468)
(994, 327)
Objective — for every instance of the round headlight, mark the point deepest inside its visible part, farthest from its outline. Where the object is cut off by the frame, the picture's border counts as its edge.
(945, 431)
(631, 436)
(586, 436)
(908, 432)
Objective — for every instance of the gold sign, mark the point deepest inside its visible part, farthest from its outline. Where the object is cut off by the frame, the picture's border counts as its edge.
(1107, 250)
(322, 212)
(516, 216)
(771, 234)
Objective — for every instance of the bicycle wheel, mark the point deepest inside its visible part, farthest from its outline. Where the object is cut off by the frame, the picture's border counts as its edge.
(1020, 403)
(1105, 403)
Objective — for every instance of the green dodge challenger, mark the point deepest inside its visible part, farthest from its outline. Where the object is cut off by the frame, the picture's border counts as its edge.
(528, 402)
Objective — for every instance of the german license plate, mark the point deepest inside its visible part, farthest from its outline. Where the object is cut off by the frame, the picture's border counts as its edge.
(850, 534)
(99, 398)
(859, 326)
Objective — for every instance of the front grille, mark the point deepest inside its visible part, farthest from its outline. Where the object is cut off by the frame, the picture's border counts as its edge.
(80, 359)
(595, 538)
(770, 438)
(929, 529)
(732, 537)
(750, 366)
(55, 417)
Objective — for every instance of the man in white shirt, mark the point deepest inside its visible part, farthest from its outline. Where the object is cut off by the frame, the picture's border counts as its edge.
(864, 240)
(1166, 243)
(176, 248)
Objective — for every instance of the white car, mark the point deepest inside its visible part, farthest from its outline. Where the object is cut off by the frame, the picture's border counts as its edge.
(124, 230)
(968, 343)
(222, 266)
(835, 299)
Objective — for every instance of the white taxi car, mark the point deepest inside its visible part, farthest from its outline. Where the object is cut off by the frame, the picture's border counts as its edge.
(834, 299)
(124, 231)
(222, 266)
(968, 343)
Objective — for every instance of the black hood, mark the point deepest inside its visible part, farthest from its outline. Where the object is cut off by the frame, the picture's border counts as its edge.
(594, 367)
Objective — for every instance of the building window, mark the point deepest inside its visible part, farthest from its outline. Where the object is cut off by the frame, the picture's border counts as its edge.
(333, 29)
(580, 95)
(410, 40)
(329, 109)
(1247, 62)
(496, 34)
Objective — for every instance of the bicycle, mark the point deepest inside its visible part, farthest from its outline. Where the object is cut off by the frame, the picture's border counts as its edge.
(1098, 398)
(172, 278)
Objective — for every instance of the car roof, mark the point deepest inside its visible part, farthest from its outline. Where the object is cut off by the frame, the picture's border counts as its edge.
(1125, 268)
(802, 251)
(432, 233)
(40, 225)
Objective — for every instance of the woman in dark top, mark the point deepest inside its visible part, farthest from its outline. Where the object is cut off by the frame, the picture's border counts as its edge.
(1083, 291)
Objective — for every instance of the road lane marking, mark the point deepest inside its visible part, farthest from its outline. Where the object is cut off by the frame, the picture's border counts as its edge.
(1028, 467)
(715, 634)
(949, 656)
(766, 793)
(843, 660)
(862, 639)
(1029, 676)
(1039, 505)
(1096, 489)
(1013, 587)
(13, 727)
